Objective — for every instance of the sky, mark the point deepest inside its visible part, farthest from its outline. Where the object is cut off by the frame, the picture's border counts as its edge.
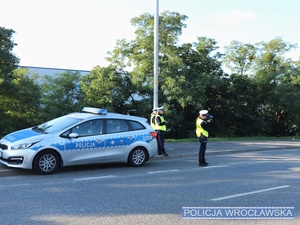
(77, 34)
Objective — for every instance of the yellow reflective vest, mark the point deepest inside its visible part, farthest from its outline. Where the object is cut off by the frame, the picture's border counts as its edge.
(199, 129)
(160, 127)
(152, 120)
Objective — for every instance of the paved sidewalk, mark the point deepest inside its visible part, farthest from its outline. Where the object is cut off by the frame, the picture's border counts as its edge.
(191, 149)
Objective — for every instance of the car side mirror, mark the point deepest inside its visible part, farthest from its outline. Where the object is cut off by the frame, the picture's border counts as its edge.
(73, 135)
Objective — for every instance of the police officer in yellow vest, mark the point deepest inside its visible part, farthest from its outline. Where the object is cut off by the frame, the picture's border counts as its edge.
(202, 131)
(160, 129)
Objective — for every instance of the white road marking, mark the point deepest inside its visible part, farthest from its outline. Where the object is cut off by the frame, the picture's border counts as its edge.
(247, 162)
(208, 167)
(94, 178)
(238, 163)
(5, 170)
(253, 162)
(14, 185)
(249, 193)
(162, 171)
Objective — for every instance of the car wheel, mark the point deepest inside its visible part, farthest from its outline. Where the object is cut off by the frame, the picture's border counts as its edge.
(137, 157)
(46, 162)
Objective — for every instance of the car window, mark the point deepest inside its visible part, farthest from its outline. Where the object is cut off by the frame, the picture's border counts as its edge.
(93, 127)
(96, 127)
(136, 125)
(116, 125)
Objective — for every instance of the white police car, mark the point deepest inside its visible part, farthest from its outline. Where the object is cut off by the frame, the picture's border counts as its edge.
(89, 137)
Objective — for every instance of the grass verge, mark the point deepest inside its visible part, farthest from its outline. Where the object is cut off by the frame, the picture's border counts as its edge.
(291, 138)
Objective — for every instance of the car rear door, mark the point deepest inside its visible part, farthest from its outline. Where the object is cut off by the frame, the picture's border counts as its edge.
(118, 141)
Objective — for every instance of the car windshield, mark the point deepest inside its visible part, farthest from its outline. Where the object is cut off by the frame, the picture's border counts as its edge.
(56, 125)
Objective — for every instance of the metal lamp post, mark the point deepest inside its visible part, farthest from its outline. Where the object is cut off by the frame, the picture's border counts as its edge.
(156, 24)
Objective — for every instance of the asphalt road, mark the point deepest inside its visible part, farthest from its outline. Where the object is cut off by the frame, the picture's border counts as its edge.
(191, 149)
(156, 193)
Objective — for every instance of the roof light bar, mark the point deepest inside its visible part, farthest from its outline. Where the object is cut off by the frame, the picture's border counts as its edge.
(94, 110)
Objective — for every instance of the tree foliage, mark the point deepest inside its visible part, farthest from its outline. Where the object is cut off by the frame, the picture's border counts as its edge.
(259, 96)
(21, 107)
(19, 94)
(107, 88)
(239, 57)
(8, 61)
(61, 94)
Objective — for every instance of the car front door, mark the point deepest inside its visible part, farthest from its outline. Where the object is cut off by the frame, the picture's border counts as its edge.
(88, 146)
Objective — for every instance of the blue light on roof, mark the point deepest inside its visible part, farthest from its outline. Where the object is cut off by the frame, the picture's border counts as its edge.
(95, 110)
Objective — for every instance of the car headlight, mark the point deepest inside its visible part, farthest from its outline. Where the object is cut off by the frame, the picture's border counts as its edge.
(24, 145)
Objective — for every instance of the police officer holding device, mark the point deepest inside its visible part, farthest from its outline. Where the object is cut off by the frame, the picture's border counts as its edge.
(202, 131)
(160, 129)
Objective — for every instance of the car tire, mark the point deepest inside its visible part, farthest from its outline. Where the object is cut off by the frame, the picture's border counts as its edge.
(46, 162)
(137, 157)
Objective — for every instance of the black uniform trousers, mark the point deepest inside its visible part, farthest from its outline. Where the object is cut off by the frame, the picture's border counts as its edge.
(202, 150)
(160, 137)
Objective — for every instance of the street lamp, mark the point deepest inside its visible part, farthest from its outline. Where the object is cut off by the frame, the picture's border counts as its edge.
(156, 24)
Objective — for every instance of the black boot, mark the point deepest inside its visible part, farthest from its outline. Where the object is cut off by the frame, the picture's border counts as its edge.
(203, 163)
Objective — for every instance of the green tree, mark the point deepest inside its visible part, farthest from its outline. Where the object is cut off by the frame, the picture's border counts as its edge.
(239, 57)
(191, 76)
(107, 87)
(21, 108)
(61, 94)
(12, 85)
(184, 71)
(273, 73)
(271, 76)
(8, 61)
(138, 54)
